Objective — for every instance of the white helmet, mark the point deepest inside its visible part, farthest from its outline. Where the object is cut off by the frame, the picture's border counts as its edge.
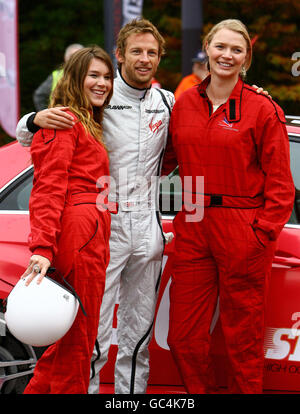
(40, 314)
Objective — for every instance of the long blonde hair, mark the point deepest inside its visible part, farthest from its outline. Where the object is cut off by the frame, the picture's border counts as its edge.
(69, 89)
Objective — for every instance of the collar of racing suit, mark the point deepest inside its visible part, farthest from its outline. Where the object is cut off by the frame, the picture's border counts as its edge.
(233, 104)
(126, 89)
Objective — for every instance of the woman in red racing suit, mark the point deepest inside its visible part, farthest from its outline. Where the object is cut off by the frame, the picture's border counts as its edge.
(68, 231)
(236, 139)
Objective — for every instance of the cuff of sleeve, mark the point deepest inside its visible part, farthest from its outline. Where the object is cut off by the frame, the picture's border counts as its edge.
(31, 125)
(44, 252)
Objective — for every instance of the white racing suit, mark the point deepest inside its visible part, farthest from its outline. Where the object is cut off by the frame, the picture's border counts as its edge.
(135, 132)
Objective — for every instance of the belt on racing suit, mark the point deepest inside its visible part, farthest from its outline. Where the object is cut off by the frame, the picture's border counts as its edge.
(99, 200)
(136, 205)
(220, 200)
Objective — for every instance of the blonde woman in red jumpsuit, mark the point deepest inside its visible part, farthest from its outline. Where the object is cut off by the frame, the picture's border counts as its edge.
(68, 231)
(236, 139)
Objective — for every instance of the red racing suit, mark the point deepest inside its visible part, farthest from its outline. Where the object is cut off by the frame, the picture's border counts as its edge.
(242, 151)
(68, 229)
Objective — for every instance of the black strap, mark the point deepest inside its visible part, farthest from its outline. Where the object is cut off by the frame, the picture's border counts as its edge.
(31, 126)
(232, 112)
(96, 359)
(164, 99)
(52, 270)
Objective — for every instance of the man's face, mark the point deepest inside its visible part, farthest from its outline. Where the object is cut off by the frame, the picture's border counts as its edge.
(141, 60)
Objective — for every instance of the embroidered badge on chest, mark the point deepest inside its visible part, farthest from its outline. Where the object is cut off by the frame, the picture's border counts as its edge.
(155, 126)
(227, 125)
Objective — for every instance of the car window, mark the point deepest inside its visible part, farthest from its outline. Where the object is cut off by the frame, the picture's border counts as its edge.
(295, 169)
(16, 196)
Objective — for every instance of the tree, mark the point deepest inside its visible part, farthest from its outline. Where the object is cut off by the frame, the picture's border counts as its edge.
(273, 23)
(46, 28)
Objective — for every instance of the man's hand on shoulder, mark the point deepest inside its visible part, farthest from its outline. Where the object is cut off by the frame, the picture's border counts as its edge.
(261, 90)
(54, 118)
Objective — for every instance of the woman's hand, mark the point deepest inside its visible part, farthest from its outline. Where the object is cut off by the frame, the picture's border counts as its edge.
(38, 265)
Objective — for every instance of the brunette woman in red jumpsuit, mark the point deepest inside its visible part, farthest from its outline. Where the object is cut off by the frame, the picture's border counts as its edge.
(236, 139)
(68, 231)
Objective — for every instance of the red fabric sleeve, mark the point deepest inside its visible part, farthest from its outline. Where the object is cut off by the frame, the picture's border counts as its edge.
(279, 190)
(52, 153)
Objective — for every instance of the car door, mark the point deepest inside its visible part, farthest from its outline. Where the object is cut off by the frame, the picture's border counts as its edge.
(282, 345)
(14, 229)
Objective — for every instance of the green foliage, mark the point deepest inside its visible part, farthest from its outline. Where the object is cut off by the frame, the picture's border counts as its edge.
(45, 30)
(273, 23)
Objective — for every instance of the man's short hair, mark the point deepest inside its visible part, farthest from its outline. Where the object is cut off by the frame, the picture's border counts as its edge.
(139, 26)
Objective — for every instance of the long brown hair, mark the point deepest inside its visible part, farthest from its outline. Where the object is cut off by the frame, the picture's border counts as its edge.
(69, 89)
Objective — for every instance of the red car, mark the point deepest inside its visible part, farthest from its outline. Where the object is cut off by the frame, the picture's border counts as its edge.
(282, 344)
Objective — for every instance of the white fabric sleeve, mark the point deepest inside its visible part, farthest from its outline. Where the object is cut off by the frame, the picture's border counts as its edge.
(24, 136)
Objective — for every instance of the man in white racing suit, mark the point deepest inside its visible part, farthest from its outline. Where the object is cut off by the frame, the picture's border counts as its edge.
(135, 131)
